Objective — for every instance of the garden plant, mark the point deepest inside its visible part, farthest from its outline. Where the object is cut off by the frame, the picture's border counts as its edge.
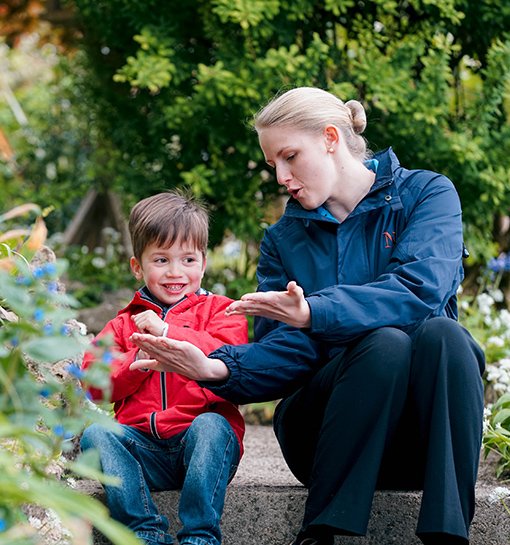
(42, 405)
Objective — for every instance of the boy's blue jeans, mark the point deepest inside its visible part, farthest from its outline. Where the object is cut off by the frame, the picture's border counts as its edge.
(200, 461)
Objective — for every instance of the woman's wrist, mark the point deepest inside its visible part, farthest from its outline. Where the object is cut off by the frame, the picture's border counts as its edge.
(216, 370)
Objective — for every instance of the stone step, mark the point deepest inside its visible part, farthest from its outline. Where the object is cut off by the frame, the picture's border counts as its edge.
(265, 503)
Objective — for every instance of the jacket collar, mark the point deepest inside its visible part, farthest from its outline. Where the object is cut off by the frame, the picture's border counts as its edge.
(144, 300)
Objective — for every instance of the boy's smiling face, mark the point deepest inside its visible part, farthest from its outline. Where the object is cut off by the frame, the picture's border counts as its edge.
(170, 273)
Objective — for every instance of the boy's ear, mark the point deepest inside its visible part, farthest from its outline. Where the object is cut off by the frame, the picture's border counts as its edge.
(204, 265)
(136, 268)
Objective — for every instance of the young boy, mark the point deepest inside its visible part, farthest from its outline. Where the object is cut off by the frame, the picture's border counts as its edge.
(175, 434)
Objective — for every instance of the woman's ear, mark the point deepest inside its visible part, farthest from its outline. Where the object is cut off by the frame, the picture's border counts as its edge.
(136, 268)
(331, 137)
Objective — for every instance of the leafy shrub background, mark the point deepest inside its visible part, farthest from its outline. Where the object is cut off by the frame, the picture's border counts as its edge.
(42, 404)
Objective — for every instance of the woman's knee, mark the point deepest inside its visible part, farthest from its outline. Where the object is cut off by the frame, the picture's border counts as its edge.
(386, 353)
(438, 328)
(445, 342)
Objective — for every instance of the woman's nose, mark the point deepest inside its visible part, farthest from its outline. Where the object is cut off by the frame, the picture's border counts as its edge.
(283, 176)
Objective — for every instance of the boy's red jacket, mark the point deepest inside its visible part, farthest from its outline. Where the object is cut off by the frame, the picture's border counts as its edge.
(164, 404)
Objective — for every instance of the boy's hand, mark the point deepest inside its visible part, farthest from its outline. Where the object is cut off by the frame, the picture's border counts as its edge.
(149, 322)
(288, 306)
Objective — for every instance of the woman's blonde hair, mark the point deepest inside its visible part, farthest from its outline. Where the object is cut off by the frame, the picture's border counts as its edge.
(312, 109)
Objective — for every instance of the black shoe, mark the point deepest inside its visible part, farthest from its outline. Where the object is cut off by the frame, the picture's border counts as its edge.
(303, 539)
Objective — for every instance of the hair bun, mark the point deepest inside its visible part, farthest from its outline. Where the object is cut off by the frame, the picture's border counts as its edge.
(359, 117)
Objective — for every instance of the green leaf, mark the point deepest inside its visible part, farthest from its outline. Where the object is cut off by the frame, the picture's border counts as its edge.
(52, 349)
(502, 416)
(87, 465)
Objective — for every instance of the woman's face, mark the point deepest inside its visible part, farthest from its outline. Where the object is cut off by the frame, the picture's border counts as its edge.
(302, 163)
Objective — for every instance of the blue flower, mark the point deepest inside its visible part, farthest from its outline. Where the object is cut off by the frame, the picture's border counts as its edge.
(44, 392)
(65, 330)
(52, 287)
(60, 431)
(48, 329)
(15, 341)
(3, 525)
(50, 269)
(23, 280)
(38, 272)
(107, 357)
(500, 263)
(39, 315)
(75, 370)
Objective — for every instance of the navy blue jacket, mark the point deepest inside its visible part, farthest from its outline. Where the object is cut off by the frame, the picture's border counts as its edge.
(396, 260)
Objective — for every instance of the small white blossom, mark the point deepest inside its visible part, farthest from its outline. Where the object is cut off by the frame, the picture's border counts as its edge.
(98, 262)
(496, 341)
(485, 303)
(499, 493)
(497, 295)
(504, 316)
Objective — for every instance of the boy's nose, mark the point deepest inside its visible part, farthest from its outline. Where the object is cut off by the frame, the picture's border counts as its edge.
(173, 269)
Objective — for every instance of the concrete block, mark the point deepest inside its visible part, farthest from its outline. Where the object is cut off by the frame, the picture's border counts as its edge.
(265, 503)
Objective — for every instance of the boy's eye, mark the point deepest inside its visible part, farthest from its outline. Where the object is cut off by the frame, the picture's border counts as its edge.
(189, 260)
(160, 260)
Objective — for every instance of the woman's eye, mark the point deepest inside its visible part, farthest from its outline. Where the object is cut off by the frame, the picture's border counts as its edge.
(290, 157)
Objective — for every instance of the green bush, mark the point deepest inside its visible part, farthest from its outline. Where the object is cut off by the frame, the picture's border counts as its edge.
(487, 318)
(42, 406)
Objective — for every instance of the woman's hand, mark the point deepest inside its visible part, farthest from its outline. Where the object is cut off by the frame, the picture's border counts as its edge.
(288, 306)
(149, 322)
(177, 356)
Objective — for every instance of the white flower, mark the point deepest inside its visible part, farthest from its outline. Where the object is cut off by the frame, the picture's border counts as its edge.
(488, 320)
(378, 26)
(496, 341)
(497, 295)
(98, 262)
(504, 316)
(504, 363)
(499, 493)
(484, 302)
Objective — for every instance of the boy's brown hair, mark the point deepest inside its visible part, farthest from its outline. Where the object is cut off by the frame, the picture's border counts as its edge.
(166, 218)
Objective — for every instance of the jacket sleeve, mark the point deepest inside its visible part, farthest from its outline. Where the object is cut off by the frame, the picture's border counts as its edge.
(218, 330)
(271, 368)
(123, 381)
(422, 275)
(281, 358)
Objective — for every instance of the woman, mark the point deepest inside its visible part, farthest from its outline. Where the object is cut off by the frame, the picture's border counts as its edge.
(356, 328)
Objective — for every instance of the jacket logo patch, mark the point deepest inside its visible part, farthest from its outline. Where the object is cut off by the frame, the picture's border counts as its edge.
(389, 239)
